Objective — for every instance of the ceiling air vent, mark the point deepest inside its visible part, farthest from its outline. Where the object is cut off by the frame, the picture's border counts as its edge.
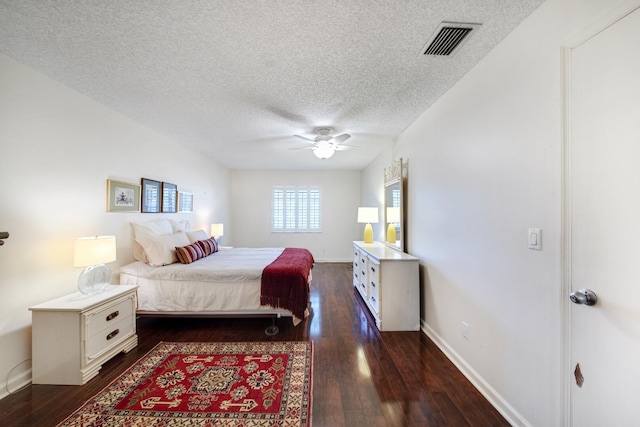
(448, 37)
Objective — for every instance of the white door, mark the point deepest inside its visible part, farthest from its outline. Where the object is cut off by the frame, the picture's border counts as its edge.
(604, 172)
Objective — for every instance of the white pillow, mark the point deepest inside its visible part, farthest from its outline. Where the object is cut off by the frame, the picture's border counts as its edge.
(182, 225)
(161, 250)
(138, 252)
(154, 227)
(194, 236)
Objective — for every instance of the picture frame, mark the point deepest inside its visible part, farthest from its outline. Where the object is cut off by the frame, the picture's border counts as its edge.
(185, 202)
(122, 196)
(151, 195)
(169, 197)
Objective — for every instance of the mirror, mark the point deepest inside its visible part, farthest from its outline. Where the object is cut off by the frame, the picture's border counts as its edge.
(393, 206)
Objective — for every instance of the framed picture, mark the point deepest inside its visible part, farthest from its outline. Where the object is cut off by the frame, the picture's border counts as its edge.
(185, 202)
(122, 196)
(169, 197)
(151, 195)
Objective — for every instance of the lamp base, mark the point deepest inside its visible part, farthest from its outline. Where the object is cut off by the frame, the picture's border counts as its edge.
(368, 233)
(94, 279)
(391, 234)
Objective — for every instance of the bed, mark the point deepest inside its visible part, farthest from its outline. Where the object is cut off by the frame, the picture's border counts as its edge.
(214, 281)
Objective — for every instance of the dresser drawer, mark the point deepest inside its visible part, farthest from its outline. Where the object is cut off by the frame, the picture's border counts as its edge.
(105, 317)
(374, 302)
(374, 279)
(362, 288)
(102, 341)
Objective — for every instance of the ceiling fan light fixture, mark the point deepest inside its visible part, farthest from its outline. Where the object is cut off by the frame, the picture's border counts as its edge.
(323, 151)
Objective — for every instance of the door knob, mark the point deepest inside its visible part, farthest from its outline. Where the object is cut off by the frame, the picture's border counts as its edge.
(583, 296)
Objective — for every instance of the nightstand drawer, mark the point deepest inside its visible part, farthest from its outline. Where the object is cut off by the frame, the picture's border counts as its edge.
(105, 317)
(102, 341)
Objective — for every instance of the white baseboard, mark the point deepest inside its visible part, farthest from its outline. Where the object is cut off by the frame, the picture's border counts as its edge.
(498, 402)
(15, 384)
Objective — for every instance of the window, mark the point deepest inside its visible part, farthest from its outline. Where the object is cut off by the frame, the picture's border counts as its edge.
(295, 210)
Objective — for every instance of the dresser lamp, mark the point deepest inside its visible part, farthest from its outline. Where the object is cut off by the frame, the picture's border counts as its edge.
(93, 253)
(393, 217)
(217, 231)
(367, 216)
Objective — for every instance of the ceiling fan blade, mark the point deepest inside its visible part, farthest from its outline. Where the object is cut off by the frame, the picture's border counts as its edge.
(305, 139)
(343, 147)
(302, 148)
(341, 138)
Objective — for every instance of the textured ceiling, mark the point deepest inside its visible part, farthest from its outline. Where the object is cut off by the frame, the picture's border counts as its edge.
(235, 80)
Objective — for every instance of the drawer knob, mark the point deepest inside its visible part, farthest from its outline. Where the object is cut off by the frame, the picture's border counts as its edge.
(373, 284)
(373, 269)
(113, 334)
(113, 315)
(373, 299)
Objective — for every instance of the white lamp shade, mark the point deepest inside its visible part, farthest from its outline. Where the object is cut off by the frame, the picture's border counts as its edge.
(94, 250)
(367, 215)
(217, 230)
(393, 214)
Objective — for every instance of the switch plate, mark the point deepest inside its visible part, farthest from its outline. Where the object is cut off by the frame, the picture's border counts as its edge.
(465, 330)
(535, 239)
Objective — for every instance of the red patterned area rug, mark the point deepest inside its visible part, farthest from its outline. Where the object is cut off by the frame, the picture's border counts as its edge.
(208, 384)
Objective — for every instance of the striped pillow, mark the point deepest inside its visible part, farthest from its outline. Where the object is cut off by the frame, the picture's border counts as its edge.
(208, 246)
(188, 254)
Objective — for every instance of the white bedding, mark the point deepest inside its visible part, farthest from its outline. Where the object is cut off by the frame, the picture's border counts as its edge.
(226, 282)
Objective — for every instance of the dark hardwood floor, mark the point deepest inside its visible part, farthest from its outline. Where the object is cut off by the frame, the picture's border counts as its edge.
(361, 377)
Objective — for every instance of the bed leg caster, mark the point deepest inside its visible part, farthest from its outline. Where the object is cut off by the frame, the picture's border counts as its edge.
(272, 329)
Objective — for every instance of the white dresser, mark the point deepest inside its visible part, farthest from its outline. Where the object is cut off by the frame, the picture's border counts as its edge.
(74, 335)
(388, 281)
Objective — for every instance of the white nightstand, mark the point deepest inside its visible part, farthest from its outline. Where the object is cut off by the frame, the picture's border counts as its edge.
(74, 335)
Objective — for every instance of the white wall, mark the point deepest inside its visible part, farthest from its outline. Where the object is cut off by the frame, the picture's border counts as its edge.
(485, 165)
(57, 149)
(251, 212)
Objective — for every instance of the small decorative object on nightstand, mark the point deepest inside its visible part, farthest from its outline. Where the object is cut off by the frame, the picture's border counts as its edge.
(93, 253)
(74, 335)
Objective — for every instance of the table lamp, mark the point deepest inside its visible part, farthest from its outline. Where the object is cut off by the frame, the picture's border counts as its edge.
(393, 217)
(367, 216)
(93, 253)
(217, 231)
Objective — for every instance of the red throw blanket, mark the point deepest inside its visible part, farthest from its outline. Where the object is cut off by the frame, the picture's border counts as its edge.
(285, 281)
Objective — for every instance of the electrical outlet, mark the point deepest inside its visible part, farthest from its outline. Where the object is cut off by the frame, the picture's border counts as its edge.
(465, 330)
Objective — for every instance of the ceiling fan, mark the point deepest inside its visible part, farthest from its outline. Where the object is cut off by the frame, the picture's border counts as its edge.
(324, 145)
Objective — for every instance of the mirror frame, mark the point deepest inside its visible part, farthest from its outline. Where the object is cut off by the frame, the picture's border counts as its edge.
(394, 178)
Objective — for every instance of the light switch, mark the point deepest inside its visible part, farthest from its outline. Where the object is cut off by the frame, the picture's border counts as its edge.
(535, 239)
